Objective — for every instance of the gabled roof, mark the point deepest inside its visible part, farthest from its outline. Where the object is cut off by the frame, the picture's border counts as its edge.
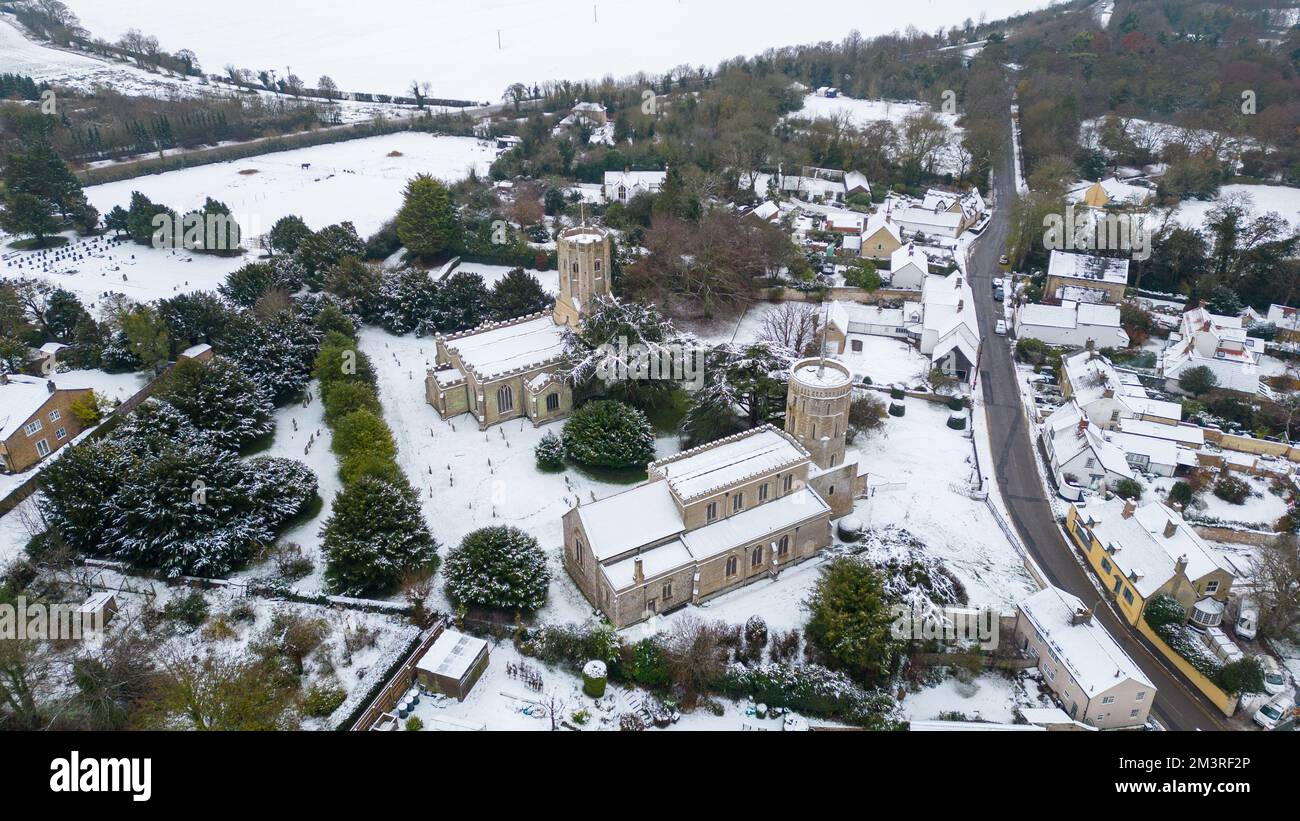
(1094, 659)
(625, 521)
(1072, 435)
(1088, 267)
(20, 399)
(725, 462)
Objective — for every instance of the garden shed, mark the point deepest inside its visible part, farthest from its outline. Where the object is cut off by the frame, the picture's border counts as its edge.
(452, 664)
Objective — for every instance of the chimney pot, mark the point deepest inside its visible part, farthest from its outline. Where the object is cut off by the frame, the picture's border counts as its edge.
(1171, 527)
(1129, 508)
(49, 385)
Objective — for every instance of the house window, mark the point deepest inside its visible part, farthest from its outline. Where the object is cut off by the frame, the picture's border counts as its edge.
(1114, 416)
(668, 591)
(1108, 700)
(737, 502)
(32, 427)
(1105, 565)
(1091, 463)
(552, 402)
(1133, 713)
(756, 557)
(1211, 587)
(1128, 595)
(60, 433)
(505, 399)
(574, 267)
(598, 266)
(830, 491)
(1142, 694)
(783, 546)
(787, 484)
(577, 551)
(43, 447)
(731, 566)
(762, 492)
(55, 415)
(711, 512)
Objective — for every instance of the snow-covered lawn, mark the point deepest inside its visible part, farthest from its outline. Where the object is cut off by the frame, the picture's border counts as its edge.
(550, 280)
(355, 180)
(918, 468)
(1262, 509)
(887, 361)
(1283, 199)
(991, 696)
(469, 478)
(455, 44)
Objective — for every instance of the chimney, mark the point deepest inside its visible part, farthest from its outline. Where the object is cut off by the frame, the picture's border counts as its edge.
(1129, 507)
(49, 385)
(1088, 345)
(1171, 527)
(1181, 565)
(1081, 615)
(1109, 393)
(1178, 507)
(638, 572)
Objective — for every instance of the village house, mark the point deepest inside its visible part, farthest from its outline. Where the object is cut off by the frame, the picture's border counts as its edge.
(942, 325)
(621, 186)
(36, 419)
(1072, 324)
(1286, 320)
(943, 214)
(1107, 397)
(1217, 342)
(880, 237)
(1079, 452)
(1142, 551)
(828, 186)
(721, 515)
(1086, 278)
(1094, 679)
(1112, 193)
(908, 268)
(505, 370)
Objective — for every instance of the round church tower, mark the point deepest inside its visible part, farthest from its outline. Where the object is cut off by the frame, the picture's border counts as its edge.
(817, 408)
(582, 256)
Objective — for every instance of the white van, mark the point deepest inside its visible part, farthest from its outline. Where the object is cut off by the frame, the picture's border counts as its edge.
(1275, 712)
(1275, 679)
(1247, 625)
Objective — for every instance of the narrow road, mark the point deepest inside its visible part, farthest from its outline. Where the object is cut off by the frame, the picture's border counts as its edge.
(1177, 705)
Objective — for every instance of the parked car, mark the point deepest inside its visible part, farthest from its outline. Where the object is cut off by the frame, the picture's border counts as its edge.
(1277, 710)
(998, 294)
(1004, 260)
(1247, 623)
(1275, 679)
(1000, 328)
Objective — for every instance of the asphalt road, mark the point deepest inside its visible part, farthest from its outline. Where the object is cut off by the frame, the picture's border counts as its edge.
(1177, 705)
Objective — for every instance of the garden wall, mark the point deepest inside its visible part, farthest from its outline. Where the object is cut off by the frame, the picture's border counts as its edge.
(1227, 704)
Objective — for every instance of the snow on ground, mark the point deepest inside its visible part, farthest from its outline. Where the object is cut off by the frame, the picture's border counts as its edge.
(469, 478)
(1260, 511)
(500, 702)
(455, 44)
(778, 601)
(886, 361)
(1283, 199)
(355, 180)
(1156, 136)
(550, 280)
(992, 696)
(301, 434)
(918, 470)
(17, 528)
(862, 113)
(342, 177)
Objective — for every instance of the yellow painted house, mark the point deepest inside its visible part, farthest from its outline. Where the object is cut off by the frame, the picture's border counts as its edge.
(1143, 551)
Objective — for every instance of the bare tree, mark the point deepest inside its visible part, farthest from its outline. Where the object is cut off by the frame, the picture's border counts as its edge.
(794, 325)
(1276, 572)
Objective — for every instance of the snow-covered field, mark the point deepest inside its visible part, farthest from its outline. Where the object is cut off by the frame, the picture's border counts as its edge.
(1283, 199)
(356, 180)
(469, 478)
(454, 45)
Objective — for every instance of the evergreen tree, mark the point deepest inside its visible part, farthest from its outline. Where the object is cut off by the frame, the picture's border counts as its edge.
(850, 620)
(218, 399)
(500, 567)
(319, 251)
(287, 234)
(462, 302)
(28, 215)
(518, 293)
(199, 316)
(275, 352)
(426, 223)
(146, 335)
(408, 301)
(374, 535)
(605, 433)
(63, 313)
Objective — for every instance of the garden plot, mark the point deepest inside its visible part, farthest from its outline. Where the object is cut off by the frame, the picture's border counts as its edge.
(468, 478)
(992, 696)
(357, 180)
(1260, 511)
(918, 474)
(887, 361)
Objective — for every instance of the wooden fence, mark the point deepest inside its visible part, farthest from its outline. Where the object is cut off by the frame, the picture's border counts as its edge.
(398, 683)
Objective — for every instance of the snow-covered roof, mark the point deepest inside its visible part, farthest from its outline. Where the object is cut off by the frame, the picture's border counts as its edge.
(757, 521)
(1072, 435)
(655, 561)
(814, 375)
(639, 516)
(195, 351)
(451, 655)
(1088, 267)
(644, 180)
(1142, 551)
(1115, 190)
(1094, 659)
(948, 310)
(845, 221)
(1159, 451)
(503, 348)
(20, 399)
(725, 462)
(909, 254)
(1091, 375)
(881, 221)
(52, 347)
(1190, 436)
